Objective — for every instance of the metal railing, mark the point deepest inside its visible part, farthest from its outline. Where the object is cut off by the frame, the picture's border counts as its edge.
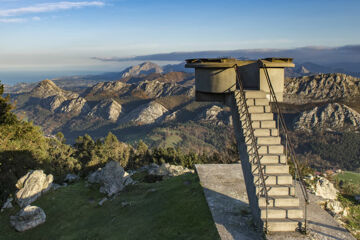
(289, 149)
(262, 190)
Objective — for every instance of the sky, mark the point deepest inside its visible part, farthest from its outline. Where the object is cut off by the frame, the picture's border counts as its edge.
(66, 35)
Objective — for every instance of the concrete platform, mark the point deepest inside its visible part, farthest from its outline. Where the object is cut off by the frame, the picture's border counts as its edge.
(225, 192)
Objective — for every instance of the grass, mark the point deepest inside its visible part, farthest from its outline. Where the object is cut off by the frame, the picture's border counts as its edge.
(170, 209)
(350, 187)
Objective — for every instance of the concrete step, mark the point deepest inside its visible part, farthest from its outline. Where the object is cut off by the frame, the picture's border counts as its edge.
(273, 168)
(269, 158)
(257, 101)
(255, 94)
(267, 149)
(261, 124)
(261, 102)
(273, 179)
(259, 109)
(261, 116)
(282, 212)
(283, 225)
(280, 201)
(264, 132)
(269, 140)
(279, 190)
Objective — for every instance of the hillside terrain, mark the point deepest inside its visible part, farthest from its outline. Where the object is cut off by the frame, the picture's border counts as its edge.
(149, 103)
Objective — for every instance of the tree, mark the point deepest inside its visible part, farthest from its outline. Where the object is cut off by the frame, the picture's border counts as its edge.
(6, 116)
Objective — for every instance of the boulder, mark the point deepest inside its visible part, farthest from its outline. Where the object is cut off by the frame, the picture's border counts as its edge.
(357, 198)
(7, 204)
(71, 178)
(31, 186)
(112, 178)
(167, 169)
(334, 206)
(102, 201)
(325, 189)
(27, 218)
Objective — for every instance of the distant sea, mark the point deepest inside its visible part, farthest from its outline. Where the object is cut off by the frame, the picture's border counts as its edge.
(14, 77)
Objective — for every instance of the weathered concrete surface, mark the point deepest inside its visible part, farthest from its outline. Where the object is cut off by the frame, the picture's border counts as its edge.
(225, 192)
(226, 195)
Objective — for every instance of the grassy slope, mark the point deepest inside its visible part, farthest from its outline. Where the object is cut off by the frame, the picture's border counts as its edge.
(171, 209)
(351, 187)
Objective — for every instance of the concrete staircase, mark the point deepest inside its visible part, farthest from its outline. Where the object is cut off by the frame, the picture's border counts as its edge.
(283, 212)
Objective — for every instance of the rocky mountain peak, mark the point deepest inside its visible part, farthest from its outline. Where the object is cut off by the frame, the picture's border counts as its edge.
(143, 68)
(47, 88)
(321, 88)
(332, 116)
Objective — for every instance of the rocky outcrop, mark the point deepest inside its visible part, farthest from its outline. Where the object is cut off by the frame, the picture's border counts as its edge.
(28, 218)
(76, 105)
(31, 186)
(332, 116)
(321, 88)
(112, 178)
(116, 88)
(145, 114)
(167, 169)
(7, 204)
(155, 89)
(216, 115)
(71, 178)
(335, 207)
(47, 88)
(107, 109)
(53, 102)
(141, 69)
(325, 189)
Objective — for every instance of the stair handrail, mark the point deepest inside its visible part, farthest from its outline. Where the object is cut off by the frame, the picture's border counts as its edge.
(261, 178)
(289, 145)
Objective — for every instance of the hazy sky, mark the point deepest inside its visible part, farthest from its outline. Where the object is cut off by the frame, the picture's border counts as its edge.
(40, 34)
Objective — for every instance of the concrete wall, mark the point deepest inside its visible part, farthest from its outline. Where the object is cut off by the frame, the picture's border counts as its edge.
(215, 80)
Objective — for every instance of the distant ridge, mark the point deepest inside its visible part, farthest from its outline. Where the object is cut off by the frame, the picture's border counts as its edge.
(344, 57)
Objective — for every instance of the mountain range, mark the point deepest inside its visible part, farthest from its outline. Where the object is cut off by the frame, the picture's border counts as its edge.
(149, 103)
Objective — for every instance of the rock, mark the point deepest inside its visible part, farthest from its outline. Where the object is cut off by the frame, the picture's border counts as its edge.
(332, 116)
(7, 204)
(310, 177)
(102, 201)
(71, 178)
(27, 218)
(143, 68)
(357, 198)
(321, 88)
(31, 186)
(56, 186)
(169, 170)
(326, 189)
(156, 89)
(346, 212)
(107, 109)
(216, 115)
(47, 88)
(75, 105)
(125, 204)
(338, 171)
(53, 102)
(145, 114)
(112, 178)
(334, 206)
